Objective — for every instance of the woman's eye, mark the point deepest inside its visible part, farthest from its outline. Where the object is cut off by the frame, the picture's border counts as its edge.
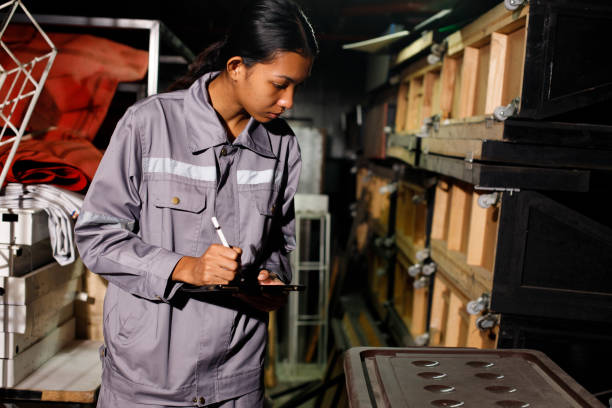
(279, 86)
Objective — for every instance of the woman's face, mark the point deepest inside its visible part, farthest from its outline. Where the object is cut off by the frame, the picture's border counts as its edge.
(266, 90)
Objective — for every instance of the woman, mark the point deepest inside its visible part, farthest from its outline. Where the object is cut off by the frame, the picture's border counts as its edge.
(176, 160)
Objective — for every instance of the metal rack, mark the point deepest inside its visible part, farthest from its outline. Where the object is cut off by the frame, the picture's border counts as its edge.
(307, 325)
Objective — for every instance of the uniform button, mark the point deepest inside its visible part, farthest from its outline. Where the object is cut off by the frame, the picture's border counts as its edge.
(223, 152)
(194, 400)
(175, 200)
(273, 207)
(202, 400)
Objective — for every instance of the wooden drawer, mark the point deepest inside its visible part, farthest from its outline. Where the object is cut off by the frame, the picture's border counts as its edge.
(451, 325)
(533, 63)
(411, 218)
(464, 236)
(410, 302)
(554, 254)
(379, 118)
(378, 281)
(378, 200)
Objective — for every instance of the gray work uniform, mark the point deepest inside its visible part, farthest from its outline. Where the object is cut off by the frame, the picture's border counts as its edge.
(168, 169)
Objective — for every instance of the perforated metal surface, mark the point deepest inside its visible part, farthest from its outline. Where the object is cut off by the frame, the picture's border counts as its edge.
(452, 377)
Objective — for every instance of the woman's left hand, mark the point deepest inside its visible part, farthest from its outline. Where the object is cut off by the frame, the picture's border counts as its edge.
(265, 302)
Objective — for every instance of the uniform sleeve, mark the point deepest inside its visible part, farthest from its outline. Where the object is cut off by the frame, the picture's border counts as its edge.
(107, 228)
(282, 239)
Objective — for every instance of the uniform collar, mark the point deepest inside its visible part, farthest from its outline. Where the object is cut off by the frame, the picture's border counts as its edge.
(205, 130)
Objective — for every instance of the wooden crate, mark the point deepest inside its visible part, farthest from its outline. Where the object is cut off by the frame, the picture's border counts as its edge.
(464, 237)
(378, 202)
(379, 117)
(410, 303)
(418, 96)
(411, 218)
(451, 325)
(89, 313)
(533, 59)
(378, 281)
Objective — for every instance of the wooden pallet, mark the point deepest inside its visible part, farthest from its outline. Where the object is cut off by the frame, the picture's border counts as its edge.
(451, 325)
(12, 371)
(73, 375)
(464, 235)
(410, 303)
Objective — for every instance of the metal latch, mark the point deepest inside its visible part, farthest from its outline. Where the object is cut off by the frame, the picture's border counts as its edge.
(389, 188)
(487, 322)
(502, 113)
(422, 255)
(414, 270)
(429, 268)
(510, 190)
(421, 283)
(479, 305)
(437, 52)
(488, 200)
(512, 5)
(422, 339)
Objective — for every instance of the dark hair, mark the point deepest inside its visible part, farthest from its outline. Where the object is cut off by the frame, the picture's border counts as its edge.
(261, 29)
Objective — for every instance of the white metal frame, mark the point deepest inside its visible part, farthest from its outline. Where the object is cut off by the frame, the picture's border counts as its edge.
(322, 267)
(21, 69)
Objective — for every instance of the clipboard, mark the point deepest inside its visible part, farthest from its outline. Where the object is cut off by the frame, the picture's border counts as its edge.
(241, 288)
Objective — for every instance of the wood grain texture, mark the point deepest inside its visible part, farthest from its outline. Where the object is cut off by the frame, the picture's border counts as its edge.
(447, 85)
(482, 78)
(439, 311)
(439, 228)
(498, 19)
(496, 88)
(469, 78)
(73, 375)
(22, 290)
(459, 218)
(402, 104)
(418, 324)
(482, 241)
(471, 280)
(415, 104)
(454, 323)
(429, 85)
(15, 370)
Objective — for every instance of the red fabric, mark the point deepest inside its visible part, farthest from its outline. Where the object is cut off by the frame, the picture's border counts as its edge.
(70, 164)
(80, 85)
(71, 106)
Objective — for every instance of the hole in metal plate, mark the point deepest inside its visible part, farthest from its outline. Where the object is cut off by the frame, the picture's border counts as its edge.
(489, 376)
(439, 388)
(480, 364)
(500, 389)
(425, 363)
(512, 404)
(447, 403)
(431, 375)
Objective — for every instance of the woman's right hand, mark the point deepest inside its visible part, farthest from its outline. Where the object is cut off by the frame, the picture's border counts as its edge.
(218, 265)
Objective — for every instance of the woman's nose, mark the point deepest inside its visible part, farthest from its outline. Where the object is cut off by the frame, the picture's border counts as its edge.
(286, 100)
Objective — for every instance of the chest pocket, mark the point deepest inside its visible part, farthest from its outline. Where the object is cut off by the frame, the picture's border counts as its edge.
(179, 197)
(179, 212)
(266, 201)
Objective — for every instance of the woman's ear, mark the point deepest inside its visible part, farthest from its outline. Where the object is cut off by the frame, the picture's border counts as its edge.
(235, 68)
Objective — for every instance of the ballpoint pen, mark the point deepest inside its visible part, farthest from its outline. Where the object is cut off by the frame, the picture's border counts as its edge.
(219, 231)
